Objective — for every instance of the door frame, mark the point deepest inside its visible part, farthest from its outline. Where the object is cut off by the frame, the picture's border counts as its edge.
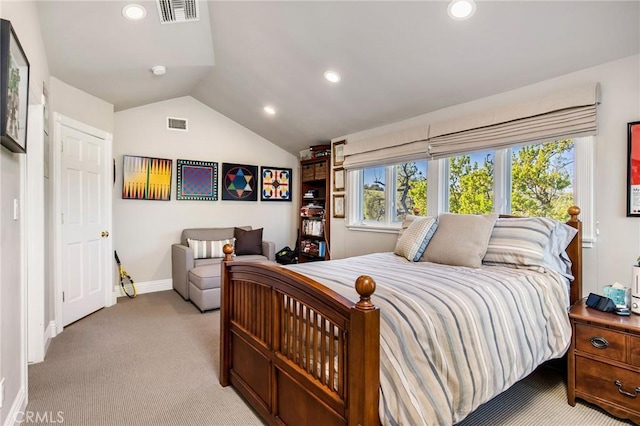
(60, 120)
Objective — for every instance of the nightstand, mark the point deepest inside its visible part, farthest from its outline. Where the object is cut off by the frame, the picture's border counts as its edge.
(604, 361)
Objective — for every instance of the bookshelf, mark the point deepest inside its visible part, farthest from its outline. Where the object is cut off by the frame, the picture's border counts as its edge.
(313, 226)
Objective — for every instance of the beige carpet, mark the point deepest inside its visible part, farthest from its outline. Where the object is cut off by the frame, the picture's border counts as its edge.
(153, 360)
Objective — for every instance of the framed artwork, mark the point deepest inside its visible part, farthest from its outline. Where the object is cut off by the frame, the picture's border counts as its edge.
(275, 183)
(338, 206)
(338, 179)
(239, 182)
(14, 90)
(633, 168)
(338, 153)
(146, 178)
(197, 180)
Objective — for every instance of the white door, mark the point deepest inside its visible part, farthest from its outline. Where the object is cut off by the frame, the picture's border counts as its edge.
(84, 223)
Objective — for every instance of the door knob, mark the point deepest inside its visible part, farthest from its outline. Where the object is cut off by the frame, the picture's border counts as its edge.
(104, 234)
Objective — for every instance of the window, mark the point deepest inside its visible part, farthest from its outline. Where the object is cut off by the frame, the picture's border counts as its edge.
(535, 180)
(538, 180)
(542, 179)
(385, 194)
(471, 183)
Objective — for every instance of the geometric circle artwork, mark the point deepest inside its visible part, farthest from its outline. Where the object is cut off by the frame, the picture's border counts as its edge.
(239, 182)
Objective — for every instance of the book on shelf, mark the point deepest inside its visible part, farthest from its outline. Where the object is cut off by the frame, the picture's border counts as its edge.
(312, 210)
(312, 193)
(313, 227)
(320, 147)
(313, 248)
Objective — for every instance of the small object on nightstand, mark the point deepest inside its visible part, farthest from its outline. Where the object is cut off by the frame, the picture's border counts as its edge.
(600, 303)
(622, 311)
(620, 294)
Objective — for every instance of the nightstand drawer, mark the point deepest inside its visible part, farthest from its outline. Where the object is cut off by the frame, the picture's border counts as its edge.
(600, 341)
(634, 351)
(609, 383)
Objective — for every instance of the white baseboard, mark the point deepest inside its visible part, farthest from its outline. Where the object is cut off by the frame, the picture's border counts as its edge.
(49, 333)
(16, 413)
(146, 287)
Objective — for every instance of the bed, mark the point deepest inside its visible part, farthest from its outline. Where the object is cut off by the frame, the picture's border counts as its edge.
(301, 346)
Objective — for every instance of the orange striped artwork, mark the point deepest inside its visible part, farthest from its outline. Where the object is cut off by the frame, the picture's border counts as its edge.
(146, 178)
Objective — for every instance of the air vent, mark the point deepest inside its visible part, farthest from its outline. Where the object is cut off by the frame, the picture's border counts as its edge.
(177, 124)
(174, 11)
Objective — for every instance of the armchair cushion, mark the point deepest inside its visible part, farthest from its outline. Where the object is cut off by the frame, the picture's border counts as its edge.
(205, 249)
(248, 242)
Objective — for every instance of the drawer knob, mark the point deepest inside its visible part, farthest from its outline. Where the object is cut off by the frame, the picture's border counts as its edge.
(629, 394)
(599, 342)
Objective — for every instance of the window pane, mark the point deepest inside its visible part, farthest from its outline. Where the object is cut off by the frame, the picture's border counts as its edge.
(411, 189)
(471, 183)
(542, 177)
(374, 201)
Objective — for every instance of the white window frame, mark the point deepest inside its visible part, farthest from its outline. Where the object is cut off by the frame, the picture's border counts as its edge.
(438, 199)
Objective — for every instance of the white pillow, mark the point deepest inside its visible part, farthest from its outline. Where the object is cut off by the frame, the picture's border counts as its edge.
(414, 239)
(460, 240)
(204, 249)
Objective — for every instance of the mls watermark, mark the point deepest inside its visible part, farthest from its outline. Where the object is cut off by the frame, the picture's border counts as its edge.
(46, 417)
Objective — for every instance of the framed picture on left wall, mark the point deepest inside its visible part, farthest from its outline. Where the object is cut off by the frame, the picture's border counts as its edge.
(14, 90)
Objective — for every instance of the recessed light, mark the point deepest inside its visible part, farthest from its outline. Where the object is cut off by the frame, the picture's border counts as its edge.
(270, 110)
(461, 9)
(332, 76)
(134, 12)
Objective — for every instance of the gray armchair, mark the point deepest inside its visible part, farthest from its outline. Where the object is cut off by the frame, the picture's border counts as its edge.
(198, 280)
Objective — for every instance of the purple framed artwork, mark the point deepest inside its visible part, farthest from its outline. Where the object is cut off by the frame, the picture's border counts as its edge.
(275, 184)
(239, 182)
(197, 180)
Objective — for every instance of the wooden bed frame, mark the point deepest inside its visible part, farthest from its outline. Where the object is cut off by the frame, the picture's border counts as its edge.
(278, 328)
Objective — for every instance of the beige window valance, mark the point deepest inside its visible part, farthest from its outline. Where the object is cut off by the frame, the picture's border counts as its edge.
(568, 113)
(377, 150)
(562, 114)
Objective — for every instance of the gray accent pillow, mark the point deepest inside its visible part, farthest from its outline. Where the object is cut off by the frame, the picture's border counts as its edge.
(460, 240)
(248, 242)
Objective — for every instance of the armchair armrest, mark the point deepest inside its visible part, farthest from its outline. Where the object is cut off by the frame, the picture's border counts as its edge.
(181, 264)
(269, 250)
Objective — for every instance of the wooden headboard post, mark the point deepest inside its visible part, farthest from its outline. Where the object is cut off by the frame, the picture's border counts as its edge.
(574, 251)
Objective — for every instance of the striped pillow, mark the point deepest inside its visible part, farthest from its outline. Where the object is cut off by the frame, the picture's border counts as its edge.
(413, 241)
(203, 249)
(519, 242)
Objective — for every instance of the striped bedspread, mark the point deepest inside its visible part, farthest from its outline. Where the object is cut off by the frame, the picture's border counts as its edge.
(452, 338)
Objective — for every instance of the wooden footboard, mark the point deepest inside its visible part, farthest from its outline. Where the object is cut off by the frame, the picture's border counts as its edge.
(303, 354)
(297, 351)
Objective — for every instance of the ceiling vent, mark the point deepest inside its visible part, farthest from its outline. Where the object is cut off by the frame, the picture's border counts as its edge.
(174, 11)
(177, 124)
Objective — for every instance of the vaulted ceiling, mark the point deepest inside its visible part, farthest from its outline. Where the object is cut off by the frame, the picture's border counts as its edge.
(397, 59)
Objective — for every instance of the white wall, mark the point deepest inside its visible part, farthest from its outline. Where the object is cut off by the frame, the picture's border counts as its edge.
(618, 242)
(144, 230)
(80, 106)
(13, 357)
